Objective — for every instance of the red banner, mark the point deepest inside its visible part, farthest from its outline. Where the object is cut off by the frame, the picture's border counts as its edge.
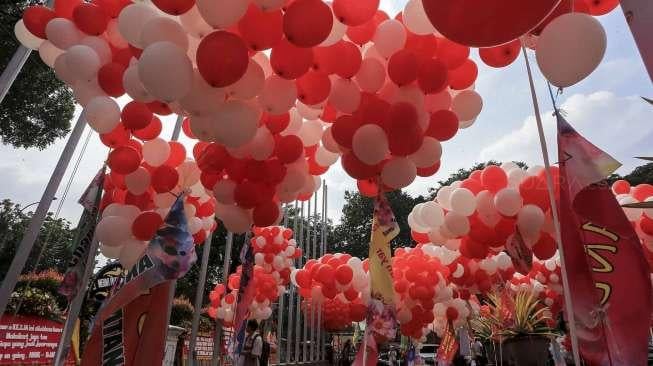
(29, 340)
(608, 275)
(448, 346)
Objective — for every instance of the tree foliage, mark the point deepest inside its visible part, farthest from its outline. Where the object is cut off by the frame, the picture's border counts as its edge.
(54, 241)
(38, 108)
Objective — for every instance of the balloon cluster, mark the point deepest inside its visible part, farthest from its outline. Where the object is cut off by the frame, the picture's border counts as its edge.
(479, 214)
(274, 251)
(340, 283)
(641, 219)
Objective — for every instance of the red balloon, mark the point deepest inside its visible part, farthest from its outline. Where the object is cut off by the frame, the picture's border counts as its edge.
(344, 274)
(432, 76)
(443, 125)
(601, 7)
(545, 247)
(349, 61)
(368, 187)
(174, 7)
(177, 154)
(164, 179)
(266, 214)
(36, 18)
(151, 131)
(185, 126)
(621, 187)
(211, 157)
(112, 8)
(117, 137)
(222, 58)
(64, 8)
(419, 237)
(247, 194)
(363, 33)
(463, 76)
(289, 148)
(500, 56)
(290, 61)
(276, 123)
(314, 168)
(146, 224)
(109, 78)
(357, 169)
(471, 248)
(343, 130)
(136, 115)
(355, 12)
(90, 19)
(472, 184)
(261, 29)
(159, 107)
(494, 178)
(424, 45)
(124, 160)
(303, 278)
(307, 23)
(534, 192)
(325, 274)
(199, 237)
(402, 67)
(327, 59)
(313, 88)
(642, 191)
(487, 23)
(404, 133)
(428, 171)
(646, 224)
(452, 54)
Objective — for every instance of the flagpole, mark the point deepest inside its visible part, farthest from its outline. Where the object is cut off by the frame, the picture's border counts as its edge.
(638, 14)
(298, 315)
(554, 213)
(12, 70)
(217, 338)
(31, 234)
(307, 317)
(199, 296)
(291, 296)
(280, 309)
(76, 306)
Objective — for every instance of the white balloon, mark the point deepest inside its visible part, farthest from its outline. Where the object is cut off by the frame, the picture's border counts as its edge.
(345, 95)
(398, 172)
(428, 154)
(467, 105)
(370, 144)
(222, 13)
(463, 201)
(236, 123)
(102, 114)
(138, 181)
(311, 132)
(62, 33)
(63, 71)
(160, 29)
(325, 157)
(131, 252)
(328, 142)
(165, 71)
(132, 19)
(49, 53)
(530, 220)
(224, 191)
(194, 24)
(338, 30)
(443, 196)
(26, 38)
(570, 47)
(234, 218)
(508, 201)
(431, 214)
(133, 86)
(189, 174)
(156, 151)
(250, 84)
(456, 223)
(487, 213)
(110, 252)
(371, 76)
(113, 35)
(83, 59)
(278, 95)
(515, 176)
(113, 230)
(415, 18)
(203, 99)
(310, 113)
(100, 46)
(438, 101)
(390, 37)
(262, 145)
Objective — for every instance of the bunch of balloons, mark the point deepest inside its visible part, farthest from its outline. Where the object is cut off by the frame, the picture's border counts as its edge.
(641, 219)
(479, 214)
(274, 252)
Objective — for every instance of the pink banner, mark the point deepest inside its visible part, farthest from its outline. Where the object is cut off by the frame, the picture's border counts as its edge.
(29, 340)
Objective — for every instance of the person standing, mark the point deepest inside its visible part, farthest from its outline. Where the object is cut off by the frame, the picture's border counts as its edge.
(252, 346)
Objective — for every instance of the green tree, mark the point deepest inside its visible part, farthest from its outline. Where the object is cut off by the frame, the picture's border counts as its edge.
(352, 235)
(54, 241)
(641, 174)
(38, 108)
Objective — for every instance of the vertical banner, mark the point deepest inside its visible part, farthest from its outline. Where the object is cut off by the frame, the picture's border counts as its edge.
(520, 254)
(384, 229)
(72, 279)
(606, 266)
(245, 291)
(146, 286)
(448, 345)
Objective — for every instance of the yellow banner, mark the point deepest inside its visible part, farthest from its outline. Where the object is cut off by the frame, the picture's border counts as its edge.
(384, 229)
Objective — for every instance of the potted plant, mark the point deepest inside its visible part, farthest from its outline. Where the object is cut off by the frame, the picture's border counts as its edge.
(516, 328)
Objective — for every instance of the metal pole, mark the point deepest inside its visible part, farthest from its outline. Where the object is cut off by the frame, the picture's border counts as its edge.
(307, 317)
(298, 315)
(177, 130)
(35, 224)
(75, 307)
(12, 70)
(639, 16)
(199, 296)
(320, 332)
(217, 337)
(316, 254)
(554, 212)
(291, 295)
(280, 310)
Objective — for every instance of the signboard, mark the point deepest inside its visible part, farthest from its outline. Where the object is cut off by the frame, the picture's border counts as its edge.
(29, 340)
(204, 346)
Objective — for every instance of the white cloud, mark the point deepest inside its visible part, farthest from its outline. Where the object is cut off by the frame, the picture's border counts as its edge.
(619, 125)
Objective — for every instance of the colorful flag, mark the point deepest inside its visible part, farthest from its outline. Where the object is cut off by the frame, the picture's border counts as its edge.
(71, 283)
(368, 353)
(448, 345)
(384, 229)
(245, 291)
(606, 267)
(520, 254)
(146, 286)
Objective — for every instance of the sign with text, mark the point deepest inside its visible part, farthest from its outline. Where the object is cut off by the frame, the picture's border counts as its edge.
(29, 340)
(203, 347)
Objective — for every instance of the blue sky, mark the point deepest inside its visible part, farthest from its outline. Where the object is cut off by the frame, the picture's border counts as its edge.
(606, 107)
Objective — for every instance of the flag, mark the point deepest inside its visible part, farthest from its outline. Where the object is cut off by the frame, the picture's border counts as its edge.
(448, 345)
(368, 353)
(146, 286)
(90, 200)
(380, 327)
(606, 267)
(520, 254)
(384, 229)
(245, 291)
